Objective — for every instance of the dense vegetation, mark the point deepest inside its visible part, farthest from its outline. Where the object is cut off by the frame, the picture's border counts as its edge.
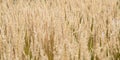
(59, 29)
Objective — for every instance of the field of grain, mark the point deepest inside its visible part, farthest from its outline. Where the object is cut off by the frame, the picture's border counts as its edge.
(59, 29)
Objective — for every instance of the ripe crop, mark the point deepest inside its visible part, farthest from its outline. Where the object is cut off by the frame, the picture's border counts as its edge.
(59, 30)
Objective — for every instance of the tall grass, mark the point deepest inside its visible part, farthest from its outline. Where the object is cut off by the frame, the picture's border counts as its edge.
(59, 30)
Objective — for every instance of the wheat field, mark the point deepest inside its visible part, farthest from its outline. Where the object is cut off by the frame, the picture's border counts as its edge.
(59, 29)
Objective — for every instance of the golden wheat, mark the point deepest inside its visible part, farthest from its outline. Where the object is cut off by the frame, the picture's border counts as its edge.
(59, 30)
